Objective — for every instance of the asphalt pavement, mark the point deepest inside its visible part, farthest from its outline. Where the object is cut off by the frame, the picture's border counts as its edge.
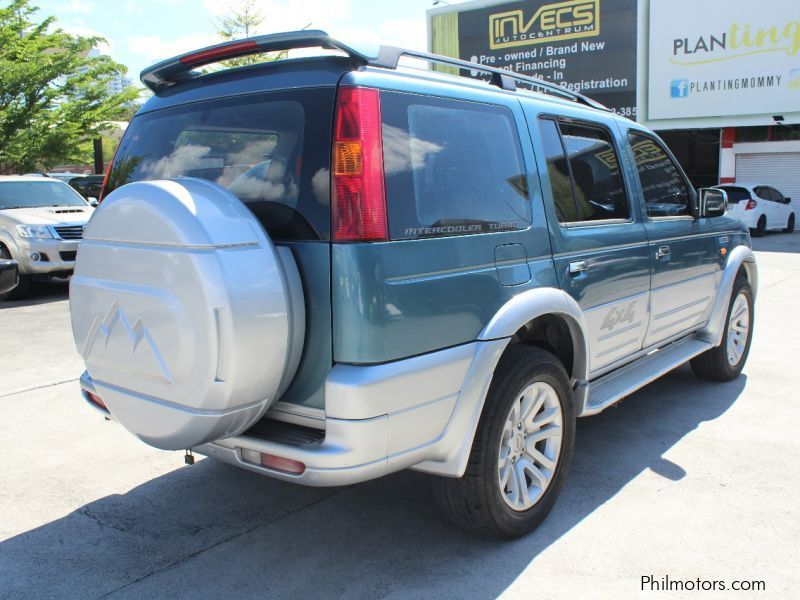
(685, 479)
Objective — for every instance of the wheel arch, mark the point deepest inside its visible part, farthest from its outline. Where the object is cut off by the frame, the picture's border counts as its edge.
(741, 260)
(508, 326)
(517, 321)
(7, 242)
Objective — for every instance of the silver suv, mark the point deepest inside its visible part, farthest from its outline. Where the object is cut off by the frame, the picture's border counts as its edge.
(41, 223)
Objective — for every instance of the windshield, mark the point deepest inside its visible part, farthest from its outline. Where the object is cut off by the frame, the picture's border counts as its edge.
(30, 194)
(272, 150)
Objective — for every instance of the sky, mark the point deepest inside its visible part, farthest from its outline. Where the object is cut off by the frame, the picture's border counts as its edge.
(142, 32)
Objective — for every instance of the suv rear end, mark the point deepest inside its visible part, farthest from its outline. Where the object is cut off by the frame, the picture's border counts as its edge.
(312, 367)
(311, 268)
(264, 135)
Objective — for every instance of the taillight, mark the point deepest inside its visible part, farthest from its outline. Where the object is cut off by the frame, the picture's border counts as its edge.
(108, 172)
(751, 204)
(359, 197)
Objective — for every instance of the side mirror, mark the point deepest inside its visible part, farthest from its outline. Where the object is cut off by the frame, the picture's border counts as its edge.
(93, 201)
(787, 200)
(713, 202)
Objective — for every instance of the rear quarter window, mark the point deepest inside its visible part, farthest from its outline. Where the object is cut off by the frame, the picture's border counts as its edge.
(271, 150)
(452, 168)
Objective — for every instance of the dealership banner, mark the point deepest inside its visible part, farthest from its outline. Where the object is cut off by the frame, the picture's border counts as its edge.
(721, 58)
(587, 46)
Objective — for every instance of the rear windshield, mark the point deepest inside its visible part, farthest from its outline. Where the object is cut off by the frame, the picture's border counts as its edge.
(735, 194)
(271, 150)
(30, 194)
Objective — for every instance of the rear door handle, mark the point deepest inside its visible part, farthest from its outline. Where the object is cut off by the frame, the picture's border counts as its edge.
(663, 251)
(578, 266)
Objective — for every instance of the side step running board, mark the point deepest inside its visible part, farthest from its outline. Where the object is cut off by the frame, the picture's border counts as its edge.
(611, 388)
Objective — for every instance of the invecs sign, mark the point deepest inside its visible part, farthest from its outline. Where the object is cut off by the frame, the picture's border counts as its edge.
(550, 23)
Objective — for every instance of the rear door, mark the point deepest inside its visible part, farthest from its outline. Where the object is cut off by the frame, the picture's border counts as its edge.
(779, 206)
(769, 207)
(599, 243)
(272, 150)
(684, 251)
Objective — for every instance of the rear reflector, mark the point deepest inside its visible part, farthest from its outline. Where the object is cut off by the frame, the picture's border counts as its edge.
(225, 51)
(359, 197)
(751, 204)
(95, 399)
(276, 463)
(287, 465)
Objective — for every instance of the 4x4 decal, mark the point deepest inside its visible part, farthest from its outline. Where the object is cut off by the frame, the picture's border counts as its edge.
(619, 315)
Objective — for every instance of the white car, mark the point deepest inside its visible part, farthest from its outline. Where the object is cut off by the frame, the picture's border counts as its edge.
(759, 206)
(41, 224)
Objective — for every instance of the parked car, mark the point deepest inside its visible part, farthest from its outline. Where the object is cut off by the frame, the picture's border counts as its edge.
(65, 177)
(41, 224)
(88, 186)
(433, 272)
(759, 206)
(9, 276)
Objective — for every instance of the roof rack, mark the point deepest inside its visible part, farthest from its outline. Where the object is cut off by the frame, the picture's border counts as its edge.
(389, 58)
(181, 68)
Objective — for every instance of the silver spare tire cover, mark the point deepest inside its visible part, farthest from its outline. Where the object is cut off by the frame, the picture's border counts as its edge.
(186, 315)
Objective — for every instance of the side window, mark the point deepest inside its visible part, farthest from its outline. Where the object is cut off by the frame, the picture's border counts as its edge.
(452, 167)
(665, 191)
(558, 172)
(775, 194)
(584, 173)
(762, 192)
(596, 178)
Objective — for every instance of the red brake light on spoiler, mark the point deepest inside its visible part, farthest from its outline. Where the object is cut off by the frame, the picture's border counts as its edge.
(359, 196)
(219, 53)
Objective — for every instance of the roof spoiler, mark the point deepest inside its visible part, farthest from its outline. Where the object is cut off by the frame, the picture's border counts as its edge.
(180, 68)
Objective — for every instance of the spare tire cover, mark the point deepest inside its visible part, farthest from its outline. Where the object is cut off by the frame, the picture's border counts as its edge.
(181, 311)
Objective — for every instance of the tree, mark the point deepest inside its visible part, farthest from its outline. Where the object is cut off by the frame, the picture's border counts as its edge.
(243, 22)
(54, 93)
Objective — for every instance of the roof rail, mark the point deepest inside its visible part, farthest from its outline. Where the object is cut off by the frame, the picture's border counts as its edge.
(389, 58)
(180, 68)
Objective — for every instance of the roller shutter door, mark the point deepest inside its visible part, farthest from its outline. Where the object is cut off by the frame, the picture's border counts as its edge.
(780, 170)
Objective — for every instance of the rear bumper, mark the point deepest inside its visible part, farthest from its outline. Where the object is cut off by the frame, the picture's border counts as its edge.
(378, 419)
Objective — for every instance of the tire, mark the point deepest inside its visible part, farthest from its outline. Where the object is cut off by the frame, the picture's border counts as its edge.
(761, 227)
(790, 224)
(716, 364)
(476, 501)
(23, 288)
(22, 291)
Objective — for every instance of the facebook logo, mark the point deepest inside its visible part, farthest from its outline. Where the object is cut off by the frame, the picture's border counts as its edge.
(679, 88)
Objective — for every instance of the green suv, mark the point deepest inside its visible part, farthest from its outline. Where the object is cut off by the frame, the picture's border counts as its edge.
(327, 269)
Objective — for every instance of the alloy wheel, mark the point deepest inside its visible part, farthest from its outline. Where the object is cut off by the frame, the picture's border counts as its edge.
(530, 446)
